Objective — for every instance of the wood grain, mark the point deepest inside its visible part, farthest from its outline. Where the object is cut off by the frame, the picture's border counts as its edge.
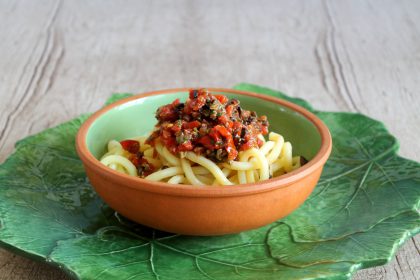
(63, 58)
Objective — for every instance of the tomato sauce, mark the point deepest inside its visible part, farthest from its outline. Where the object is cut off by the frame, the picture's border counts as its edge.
(209, 125)
(143, 167)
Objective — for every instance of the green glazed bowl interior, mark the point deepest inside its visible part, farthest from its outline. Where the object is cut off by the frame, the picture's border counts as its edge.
(137, 118)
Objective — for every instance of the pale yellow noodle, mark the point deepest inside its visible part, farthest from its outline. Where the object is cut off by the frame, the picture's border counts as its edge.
(145, 147)
(155, 162)
(256, 175)
(211, 166)
(226, 172)
(149, 152)
(159, 150)
(114, 148)
(163, 160)
(113, 166)
(177, 179)
(279, 172)
(165, 173)
(199, 170)
(234, 179)
(207, 180)
(272, 159)
(242, 177)
(276, 165)
(173, 160)
(113, 145)
(296, 162)
(186, 166)
(250, 176)
(238, 165)
(124, 162)
(261, 137)
(267, 147)
(287, 156)
(166, 156)
(276, 150)
(261, 159)
(121, 169)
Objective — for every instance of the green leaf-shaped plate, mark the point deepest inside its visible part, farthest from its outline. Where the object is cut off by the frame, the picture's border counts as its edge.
(364, 207)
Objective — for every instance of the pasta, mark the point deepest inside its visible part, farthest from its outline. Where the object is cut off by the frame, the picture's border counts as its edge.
(254, 165)
(208, 140)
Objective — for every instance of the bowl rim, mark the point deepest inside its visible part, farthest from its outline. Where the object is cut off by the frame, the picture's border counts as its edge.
(206, 191)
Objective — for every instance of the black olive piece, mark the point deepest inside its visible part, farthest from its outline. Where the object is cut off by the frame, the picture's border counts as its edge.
(180, 106)
(233, 101)
(303, 160)
(195, 93)
(243, 132)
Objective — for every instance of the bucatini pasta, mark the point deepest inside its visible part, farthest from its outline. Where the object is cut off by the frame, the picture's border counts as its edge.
(208, 140)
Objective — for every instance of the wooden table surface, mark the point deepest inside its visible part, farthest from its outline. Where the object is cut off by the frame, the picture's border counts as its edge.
(63, 58)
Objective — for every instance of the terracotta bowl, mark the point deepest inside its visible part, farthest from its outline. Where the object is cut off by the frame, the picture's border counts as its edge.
(207, 210)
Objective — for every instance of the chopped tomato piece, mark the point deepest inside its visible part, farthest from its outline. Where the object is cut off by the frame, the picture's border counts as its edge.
(222, 130)
(175, 102)
(207, 142)
(184, 147)
(191, 125)
(260, 142)
(131, 146)
(229, 110)
(222, 98)
(134, 159)
(232, 152)
(223, 119)
(176, 128)
(264, 130)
